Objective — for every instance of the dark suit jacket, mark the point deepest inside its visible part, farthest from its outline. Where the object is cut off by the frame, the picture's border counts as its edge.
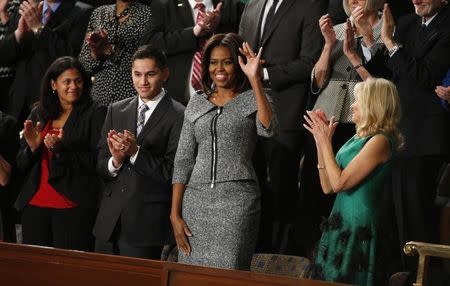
(62, 36)
(171, 29)
(291, 47)
(140, 194)
(72, 170)
(417, 69)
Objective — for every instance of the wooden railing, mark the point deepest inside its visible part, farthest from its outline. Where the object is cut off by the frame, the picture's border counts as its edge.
(24, 265)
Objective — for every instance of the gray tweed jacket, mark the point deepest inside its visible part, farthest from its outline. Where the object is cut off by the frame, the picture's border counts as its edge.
(217, 143)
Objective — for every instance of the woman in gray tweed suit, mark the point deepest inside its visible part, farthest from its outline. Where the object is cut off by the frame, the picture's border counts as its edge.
(216, 200)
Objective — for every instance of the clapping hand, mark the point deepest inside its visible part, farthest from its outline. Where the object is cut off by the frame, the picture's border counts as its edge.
(31, 11)
(116, 147)
(326, 28)
(443, 92)
(99, 44)
(388, 28)
(252, 66)
(32, 134)
(53, 141)
(349, 40)
(362, 25)
(319, 126)
(209, 22)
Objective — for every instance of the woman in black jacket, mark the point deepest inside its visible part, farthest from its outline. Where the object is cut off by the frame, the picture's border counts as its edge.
(57, 156)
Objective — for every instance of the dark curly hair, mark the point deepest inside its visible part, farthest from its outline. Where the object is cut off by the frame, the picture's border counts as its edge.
(49, 105)
(233, 42)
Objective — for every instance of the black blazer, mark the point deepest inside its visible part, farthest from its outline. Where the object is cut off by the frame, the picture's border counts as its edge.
(417, 69)
(171, 29)
(140, 194)
(62, 36)
(72, 170)
(291, 47)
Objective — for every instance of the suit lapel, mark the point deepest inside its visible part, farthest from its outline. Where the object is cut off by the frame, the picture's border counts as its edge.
(257, 19)
(127, 116)
(185, 11)
(284, 7)
(156, 116)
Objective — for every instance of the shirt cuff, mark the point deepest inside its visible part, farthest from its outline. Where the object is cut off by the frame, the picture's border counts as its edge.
(134, 157)
(266, 74)
(113, 171)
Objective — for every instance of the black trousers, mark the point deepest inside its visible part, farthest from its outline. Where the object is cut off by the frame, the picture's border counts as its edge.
(414, 181)
(60, 228)
(277, 162)
(118, 246)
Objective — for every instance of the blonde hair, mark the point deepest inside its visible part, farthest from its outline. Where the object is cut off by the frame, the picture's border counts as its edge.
(371, 5)
(380, 110)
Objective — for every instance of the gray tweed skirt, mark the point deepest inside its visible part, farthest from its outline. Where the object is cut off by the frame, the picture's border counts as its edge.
(224, 221)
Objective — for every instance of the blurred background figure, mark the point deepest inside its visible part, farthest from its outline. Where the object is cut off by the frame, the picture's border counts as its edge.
(112, 37)
(6, 72)
(181, 29)
(9, 144)
(57, 158)
(39, 33)
(288, 32)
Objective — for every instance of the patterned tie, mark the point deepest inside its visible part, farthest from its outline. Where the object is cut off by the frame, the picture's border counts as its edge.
(141, 118)
(196, 79)
(47, 16)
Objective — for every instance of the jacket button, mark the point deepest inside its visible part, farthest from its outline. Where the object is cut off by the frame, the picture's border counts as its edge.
(123, 190)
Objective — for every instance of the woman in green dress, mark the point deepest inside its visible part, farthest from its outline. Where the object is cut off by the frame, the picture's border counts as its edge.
(349, 247)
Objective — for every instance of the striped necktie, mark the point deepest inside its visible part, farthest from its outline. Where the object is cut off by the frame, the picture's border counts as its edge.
(47, 15)
(141, 118)
(196, 79)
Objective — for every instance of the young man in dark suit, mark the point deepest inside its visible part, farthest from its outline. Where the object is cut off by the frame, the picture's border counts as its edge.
(137, 149)
(289, 34)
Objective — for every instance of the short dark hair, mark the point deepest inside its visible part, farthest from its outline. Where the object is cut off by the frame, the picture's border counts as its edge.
(49, 105)
(150, 52)
(233, 42)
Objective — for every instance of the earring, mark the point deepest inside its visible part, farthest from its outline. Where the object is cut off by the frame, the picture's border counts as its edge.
(53, 91)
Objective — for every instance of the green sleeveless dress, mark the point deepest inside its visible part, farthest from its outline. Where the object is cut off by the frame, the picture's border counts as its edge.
(348, 249)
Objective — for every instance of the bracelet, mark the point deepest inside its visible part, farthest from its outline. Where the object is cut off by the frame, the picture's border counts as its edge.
(320, 167)
(358, 66)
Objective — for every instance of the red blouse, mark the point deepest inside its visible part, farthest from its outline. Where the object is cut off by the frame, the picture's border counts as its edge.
(46, 196)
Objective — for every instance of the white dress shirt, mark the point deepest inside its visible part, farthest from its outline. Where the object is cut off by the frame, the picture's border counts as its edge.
(151, 104)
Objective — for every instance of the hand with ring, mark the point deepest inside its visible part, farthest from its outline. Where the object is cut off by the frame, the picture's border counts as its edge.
(53, 141)
(116, 147)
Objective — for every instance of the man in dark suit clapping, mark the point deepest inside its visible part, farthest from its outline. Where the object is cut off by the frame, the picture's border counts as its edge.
(137, 149)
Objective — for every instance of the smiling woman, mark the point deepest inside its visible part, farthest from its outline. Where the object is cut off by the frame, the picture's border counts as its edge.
(57, 155)
(216, 200)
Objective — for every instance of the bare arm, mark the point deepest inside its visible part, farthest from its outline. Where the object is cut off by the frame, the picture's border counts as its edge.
(252, 69)
(322, 67)
(180, 229)
(374, 153)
